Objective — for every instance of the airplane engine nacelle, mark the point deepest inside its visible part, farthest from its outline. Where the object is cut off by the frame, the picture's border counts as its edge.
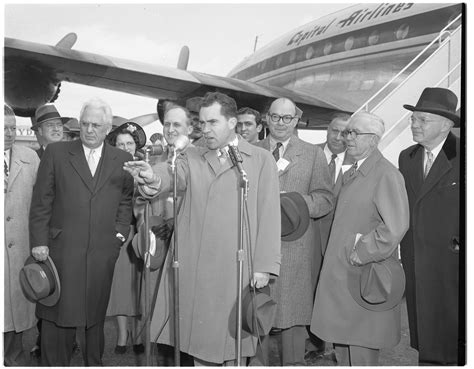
(28, 86)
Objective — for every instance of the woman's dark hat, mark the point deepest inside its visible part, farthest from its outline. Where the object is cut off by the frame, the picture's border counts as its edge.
(134, 129)
(294, 216)
(377, 286)
(436, 100)
(40, 281)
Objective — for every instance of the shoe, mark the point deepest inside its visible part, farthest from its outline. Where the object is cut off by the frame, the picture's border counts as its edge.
(120, 350)
(139, 349)
(275, 331)
(36, 351)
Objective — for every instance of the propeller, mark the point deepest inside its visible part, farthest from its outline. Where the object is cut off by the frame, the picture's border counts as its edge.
(183, 58)
(68, 41)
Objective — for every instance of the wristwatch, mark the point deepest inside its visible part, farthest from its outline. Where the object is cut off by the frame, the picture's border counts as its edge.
(120, 237)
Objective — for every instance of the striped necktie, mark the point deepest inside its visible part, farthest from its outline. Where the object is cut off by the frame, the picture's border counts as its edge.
(91, 162)
(429, 163)
(276, 152)
(349, 174)
(332, 168)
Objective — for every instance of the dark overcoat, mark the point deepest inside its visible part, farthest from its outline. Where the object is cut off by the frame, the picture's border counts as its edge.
(78, 216)
(430, 251)
(308, 174)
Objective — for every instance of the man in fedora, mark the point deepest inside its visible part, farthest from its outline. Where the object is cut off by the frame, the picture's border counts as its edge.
(302, 168)
(80, 216)
(431, 248)
(20, 167)
(49, 126)
(371, 218)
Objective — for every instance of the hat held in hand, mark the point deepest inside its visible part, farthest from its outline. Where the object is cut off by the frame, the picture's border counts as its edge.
(294, 216)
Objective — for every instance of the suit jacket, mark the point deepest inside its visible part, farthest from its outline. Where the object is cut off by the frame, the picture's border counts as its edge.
(430, 251)
(308, 174)
(40, 151)
(78, 217)
(19, 313)
(375, 204)
(207, 243)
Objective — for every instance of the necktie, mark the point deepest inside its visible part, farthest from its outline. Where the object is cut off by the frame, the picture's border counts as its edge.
(222, 155)
(6, 171)
(91, 162)
(429, 163)
(332, 168)
(276, 152)
(349, 174)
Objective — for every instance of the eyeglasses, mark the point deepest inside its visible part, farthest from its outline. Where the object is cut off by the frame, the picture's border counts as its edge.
(275, 118)
(350, 133)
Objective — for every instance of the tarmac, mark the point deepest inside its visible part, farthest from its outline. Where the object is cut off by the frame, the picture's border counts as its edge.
(401, 355)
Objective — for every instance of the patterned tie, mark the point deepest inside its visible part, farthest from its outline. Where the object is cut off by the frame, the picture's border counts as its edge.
(276, 152)
(91, 162)
(332, 168)
(349, 174)
(6, 171)
(429, 163)
(222, 155)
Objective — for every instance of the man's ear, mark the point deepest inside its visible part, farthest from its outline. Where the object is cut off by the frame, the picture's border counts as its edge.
(232, 122)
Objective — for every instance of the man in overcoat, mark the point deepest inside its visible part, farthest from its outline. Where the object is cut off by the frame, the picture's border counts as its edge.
(80, 215)
(302, 168)
(20, 167)
(430, 249)
(208, 235)
(370, 220)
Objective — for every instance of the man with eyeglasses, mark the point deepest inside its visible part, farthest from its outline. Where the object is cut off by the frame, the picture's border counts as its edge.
(370, 219)
(433, 245)
(49, 126)
(303, 169)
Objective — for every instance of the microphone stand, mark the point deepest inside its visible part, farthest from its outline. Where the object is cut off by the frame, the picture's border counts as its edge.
(244, 187)
(146, 267)
(175, 261)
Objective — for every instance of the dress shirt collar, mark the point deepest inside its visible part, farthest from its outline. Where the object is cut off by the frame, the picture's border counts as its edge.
(273, 144)
(436, 150)
(329, 153)
(97, 153)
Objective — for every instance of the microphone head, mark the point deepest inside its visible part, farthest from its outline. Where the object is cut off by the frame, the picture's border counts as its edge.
(181, 142)
(154, 150)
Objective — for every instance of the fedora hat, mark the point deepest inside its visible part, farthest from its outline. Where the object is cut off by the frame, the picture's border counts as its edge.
(258, 311)
(294, 216)
(45, 113)
(436, 100)
(132, 128)
(158, 249)
(40, 281)
(72, 125)
(377, 286)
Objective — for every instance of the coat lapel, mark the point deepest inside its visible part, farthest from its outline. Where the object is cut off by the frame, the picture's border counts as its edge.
(212, 160)
(293, 150)
(415, 168)
(106, 167)
(15, 166)
(79, 163)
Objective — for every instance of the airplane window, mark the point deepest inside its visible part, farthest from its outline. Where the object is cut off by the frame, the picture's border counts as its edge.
(292, 56)
(402, 31)
(309, 52)
(374, 38)
(278, 61)
(327, 48)
(349, 43)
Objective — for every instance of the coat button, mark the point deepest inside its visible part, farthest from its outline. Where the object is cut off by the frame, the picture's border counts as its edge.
(11, 244)
(9, 218)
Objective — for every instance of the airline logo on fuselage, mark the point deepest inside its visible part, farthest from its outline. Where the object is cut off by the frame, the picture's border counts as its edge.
(356, 17)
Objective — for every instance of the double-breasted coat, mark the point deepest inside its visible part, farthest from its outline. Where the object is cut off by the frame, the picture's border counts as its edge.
(78, 216)
(208, 228)
(19, 313)
(375, 204)
(430, 251)
(308, 174)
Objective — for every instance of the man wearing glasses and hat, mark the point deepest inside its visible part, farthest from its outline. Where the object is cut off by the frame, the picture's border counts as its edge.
(430, 249)
(49, 126)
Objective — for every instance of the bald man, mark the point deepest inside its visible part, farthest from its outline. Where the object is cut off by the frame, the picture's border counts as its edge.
(302, 168)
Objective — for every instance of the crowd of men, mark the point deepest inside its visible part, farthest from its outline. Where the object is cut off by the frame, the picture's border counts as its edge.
(323, 225)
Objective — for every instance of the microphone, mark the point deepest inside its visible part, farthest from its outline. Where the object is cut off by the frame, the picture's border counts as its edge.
(181, 143)
(154, 150)
(236, 159)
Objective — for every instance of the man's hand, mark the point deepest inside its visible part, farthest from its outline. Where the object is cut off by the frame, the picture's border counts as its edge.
(260, 280)
(354, 258)
(140, 171)
(40, 253)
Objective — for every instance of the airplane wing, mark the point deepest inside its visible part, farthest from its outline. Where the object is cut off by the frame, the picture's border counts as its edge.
(33, 72)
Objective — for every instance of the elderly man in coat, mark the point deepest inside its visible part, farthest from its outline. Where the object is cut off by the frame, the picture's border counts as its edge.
(80, 215)
(370, 220)
(302, 168)
(208, 235)
(431, 248)
(20, 167)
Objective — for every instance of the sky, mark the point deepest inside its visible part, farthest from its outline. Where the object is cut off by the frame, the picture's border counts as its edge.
(219, 37)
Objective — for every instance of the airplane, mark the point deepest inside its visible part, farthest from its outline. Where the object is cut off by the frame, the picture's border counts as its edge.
(334, 63)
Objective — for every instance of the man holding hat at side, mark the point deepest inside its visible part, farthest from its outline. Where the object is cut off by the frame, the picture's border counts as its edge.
(430, 249)
(49, 126)
(357, 304)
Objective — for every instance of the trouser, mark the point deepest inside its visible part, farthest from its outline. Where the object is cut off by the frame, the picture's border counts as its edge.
(57, 344)
(293, 342)
(318, 343)
(199, 362)
(348, 355)
(13, 354)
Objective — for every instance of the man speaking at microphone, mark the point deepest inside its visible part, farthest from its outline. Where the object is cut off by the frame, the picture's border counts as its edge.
(208, 228)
